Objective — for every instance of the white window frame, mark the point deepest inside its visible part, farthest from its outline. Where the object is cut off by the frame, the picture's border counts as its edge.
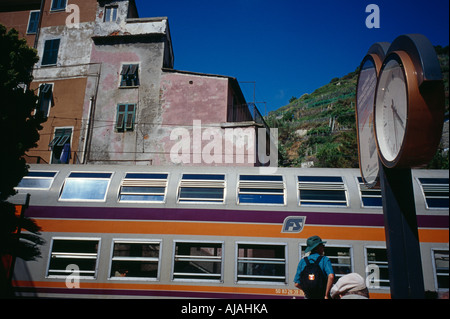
(362, 187)
(138, 73)
(50, 102)
(435, 272)
(75, 255)
(89, 178)
(220, 260)
(29, 20)
(51, 179)
(144, 182)
(318, 185)
(255, 260)
(58, 9)
(202, 183)
(261, 184)
(436, 188)
(135, 241)
(113, 8)
(54, 136)
(385, 264)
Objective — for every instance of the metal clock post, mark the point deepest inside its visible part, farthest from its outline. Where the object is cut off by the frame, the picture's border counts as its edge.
(408, 118)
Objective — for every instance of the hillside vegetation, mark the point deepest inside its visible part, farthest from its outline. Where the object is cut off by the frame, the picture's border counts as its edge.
(319, 129)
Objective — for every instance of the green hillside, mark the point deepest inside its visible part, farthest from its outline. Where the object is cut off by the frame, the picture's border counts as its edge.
(318, 129)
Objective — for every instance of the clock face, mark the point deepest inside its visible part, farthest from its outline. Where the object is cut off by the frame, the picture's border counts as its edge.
(391, 109)
(365, 94)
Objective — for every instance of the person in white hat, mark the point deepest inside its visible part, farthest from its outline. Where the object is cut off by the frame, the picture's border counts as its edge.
(350, 286)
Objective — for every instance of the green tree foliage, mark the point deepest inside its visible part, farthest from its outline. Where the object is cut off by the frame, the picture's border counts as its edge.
(18, 133)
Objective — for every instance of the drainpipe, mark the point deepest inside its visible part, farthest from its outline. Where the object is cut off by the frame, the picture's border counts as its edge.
(90, 122)
(87, 131)
(38, 31)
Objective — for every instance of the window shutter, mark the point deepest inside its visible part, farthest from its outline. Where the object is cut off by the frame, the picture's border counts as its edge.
(33, 23)
(121, 109)
(51, 49)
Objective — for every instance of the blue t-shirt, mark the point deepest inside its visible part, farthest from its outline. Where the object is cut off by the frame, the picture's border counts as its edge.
(324, 264)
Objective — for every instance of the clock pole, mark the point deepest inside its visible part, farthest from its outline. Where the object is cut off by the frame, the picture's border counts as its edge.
(402, 237)
(407, 133)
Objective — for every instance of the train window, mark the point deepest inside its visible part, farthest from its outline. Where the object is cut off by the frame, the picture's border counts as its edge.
(143, 187)
(377, 266)
(135, 259)
(37, 180)
(198, 261)
(69, 255)
(261, 263)
(322, 190)
(87, 186)
(261, 189)
(435, 191)
(340, 257)
(440, 258)
(370, 197)
(202, 188)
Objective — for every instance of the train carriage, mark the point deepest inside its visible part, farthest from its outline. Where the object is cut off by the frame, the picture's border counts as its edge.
(215, 232)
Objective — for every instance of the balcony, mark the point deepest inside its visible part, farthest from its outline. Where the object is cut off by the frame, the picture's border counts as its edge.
(132, 27)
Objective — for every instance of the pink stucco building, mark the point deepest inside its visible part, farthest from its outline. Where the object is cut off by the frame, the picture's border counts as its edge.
(115, 98)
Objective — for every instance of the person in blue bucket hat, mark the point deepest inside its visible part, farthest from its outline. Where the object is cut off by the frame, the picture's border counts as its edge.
(315, 275)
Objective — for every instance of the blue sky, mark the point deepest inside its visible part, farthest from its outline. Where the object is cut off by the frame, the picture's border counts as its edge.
(288, 47)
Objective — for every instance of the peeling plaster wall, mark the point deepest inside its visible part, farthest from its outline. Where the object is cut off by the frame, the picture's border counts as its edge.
(74, 51)
(189, 99)
(107, 144)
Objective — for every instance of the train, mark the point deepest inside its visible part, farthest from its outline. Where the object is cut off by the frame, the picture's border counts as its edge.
(118, 231)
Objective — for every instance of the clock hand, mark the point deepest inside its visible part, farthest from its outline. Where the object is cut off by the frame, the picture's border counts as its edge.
(397, 115)
(395, 125)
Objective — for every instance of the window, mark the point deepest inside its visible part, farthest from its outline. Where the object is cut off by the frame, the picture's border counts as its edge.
(135, 259)
(370, 197)
(261, 263)
(51, 48)
(198, 261)
(130, 75)
(37, 180)
(125, 117)
(33, 22)
(110, 14)
(45, 100)
(69, 254)
(376, 258)
(86, 186)
(322, 190)
(58, 5)
(261, 189)
(435, 191)
(440, 258)
(143, 187)
(207, 188)
(60, 146)
(340, 257)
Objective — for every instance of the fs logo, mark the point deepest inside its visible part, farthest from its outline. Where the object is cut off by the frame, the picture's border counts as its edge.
(293, 224)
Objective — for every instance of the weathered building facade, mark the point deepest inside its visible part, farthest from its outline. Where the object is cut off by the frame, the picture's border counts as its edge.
(107, 85)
